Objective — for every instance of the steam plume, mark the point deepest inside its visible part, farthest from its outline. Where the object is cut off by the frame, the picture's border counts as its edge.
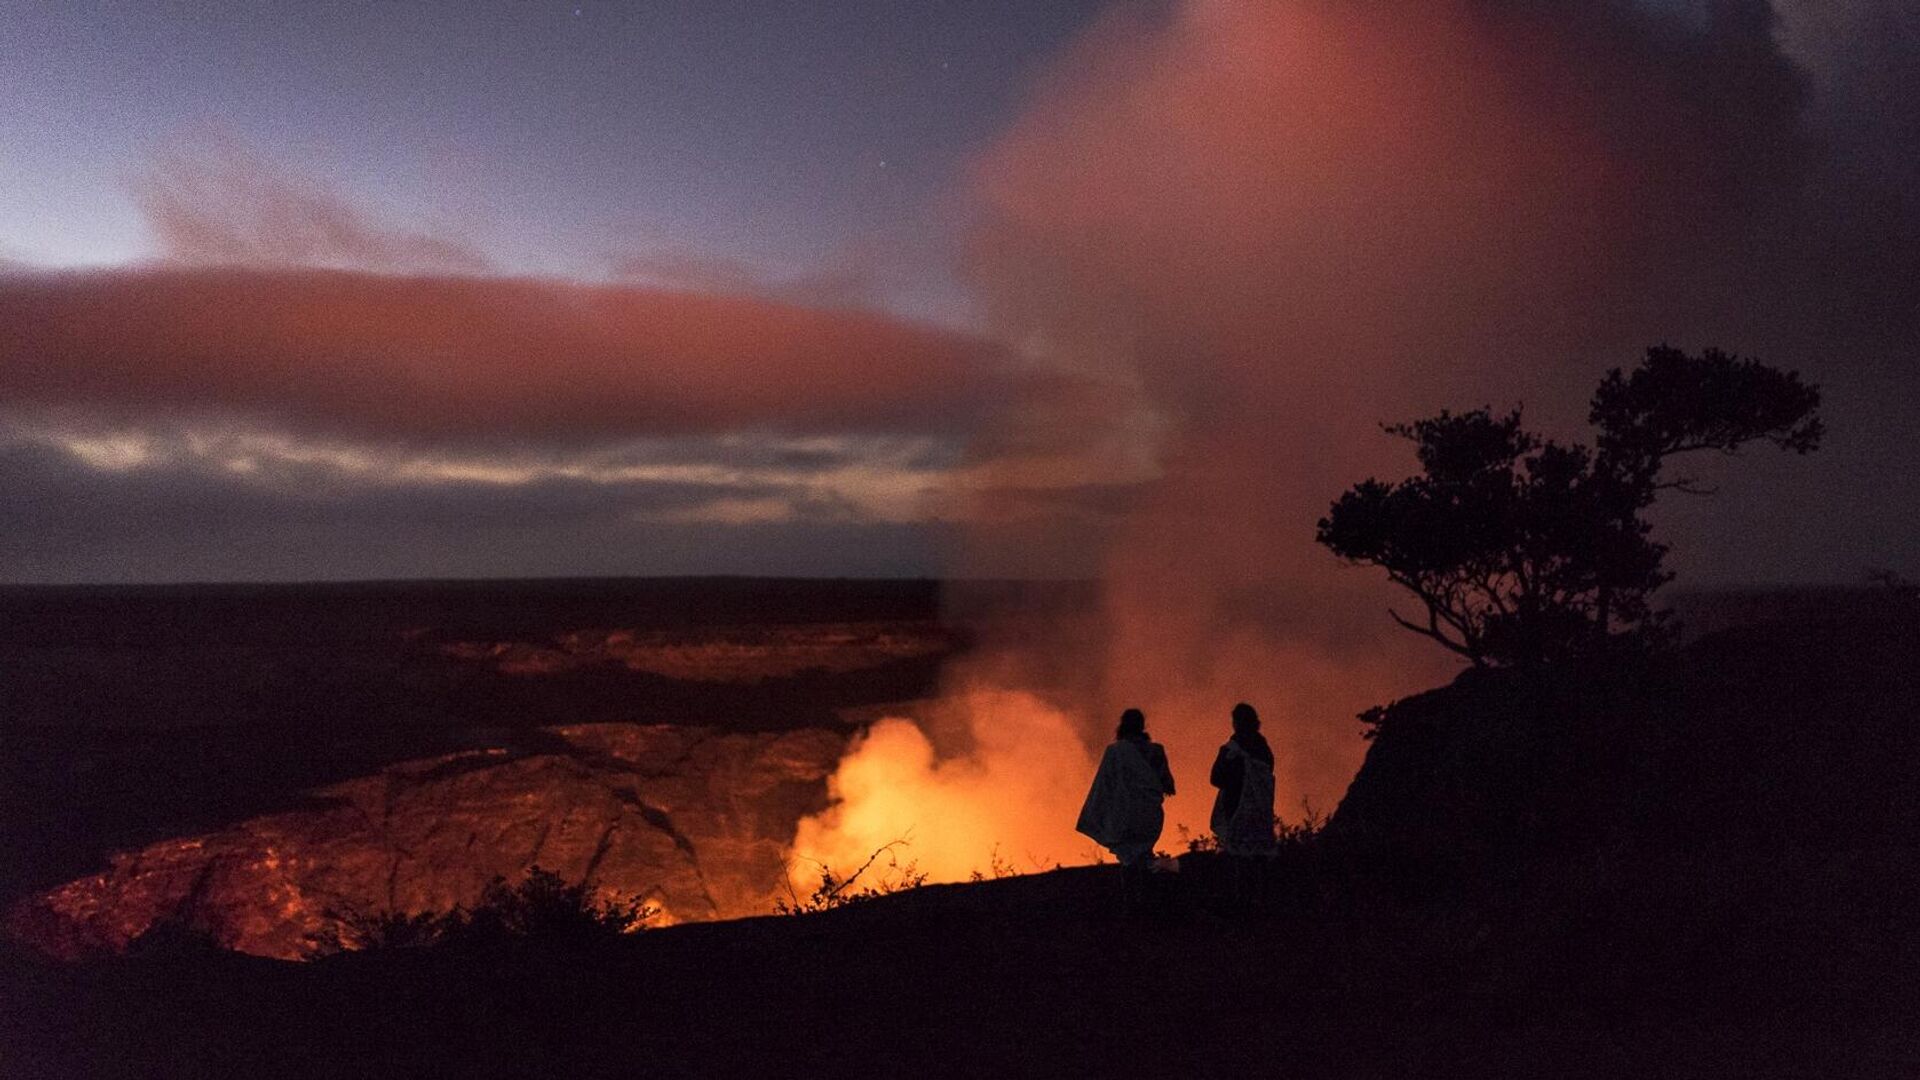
(1271, 225)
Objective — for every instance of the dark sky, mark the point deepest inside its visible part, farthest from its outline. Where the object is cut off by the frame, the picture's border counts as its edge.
(395, 289)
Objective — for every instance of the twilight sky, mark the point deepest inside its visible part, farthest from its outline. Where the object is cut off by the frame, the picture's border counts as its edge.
(574, 139)
(394, 289)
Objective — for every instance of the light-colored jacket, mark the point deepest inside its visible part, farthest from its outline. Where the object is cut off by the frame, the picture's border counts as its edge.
(1246, 828)
(1122, 812)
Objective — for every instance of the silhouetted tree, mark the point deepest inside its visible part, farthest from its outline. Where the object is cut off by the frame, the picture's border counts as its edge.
(1524, 550)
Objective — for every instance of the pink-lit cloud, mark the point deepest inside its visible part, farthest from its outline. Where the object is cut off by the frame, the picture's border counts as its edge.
(215, 203)
(362, 356)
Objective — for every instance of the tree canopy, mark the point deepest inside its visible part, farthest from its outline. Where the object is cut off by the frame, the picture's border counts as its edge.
(1523, 550)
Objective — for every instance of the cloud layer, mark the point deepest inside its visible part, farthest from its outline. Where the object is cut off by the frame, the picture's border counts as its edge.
(217, 204)
(366, 356)
(186, 517)
(1223, 239)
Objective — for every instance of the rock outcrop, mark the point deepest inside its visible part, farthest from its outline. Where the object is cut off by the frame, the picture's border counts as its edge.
(1786, 735)
(693, 820)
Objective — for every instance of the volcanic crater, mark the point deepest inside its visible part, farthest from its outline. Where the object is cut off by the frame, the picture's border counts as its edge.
(370, 750)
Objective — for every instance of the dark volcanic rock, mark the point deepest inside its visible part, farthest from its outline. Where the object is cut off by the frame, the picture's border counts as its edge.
(694, 821)
(1492, 768)
(1791, 734)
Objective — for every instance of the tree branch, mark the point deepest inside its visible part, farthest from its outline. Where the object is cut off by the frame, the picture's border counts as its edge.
(1685, 485)
(1432, 630)
(847, 882)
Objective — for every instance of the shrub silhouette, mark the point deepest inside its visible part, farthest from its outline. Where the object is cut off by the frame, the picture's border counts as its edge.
(835, 891)
(1523, 550)
(999, 868)
(542, 909)
(353, 930)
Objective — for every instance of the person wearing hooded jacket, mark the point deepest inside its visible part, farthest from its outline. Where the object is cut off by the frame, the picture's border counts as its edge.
(1242, 818)
(1123, 810)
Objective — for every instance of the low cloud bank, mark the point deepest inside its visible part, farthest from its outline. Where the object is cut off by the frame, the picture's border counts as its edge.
(351, 354)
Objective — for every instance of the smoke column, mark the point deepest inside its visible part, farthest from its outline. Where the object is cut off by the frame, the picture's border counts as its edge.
(1262, 228)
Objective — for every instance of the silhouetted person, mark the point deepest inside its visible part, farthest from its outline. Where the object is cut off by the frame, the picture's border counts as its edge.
(1122, 812)
(1242, 817)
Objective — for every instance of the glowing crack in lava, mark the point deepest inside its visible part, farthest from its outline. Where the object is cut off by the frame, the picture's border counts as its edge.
(1015, 788)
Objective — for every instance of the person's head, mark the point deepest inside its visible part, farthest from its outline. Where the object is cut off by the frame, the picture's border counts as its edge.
(1132, 722)
(1245, 720)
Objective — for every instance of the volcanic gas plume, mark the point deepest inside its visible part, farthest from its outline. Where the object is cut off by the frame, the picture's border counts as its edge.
(1263, 228)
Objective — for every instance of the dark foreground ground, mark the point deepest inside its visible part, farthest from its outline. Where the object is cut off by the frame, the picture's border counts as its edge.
(1694, 967)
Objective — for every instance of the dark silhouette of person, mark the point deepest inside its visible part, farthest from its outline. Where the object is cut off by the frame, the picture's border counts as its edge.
(1242, 816)
(1122, 812)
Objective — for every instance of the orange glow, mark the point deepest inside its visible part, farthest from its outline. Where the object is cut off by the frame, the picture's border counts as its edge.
(1013, 781)
(1017, 790)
